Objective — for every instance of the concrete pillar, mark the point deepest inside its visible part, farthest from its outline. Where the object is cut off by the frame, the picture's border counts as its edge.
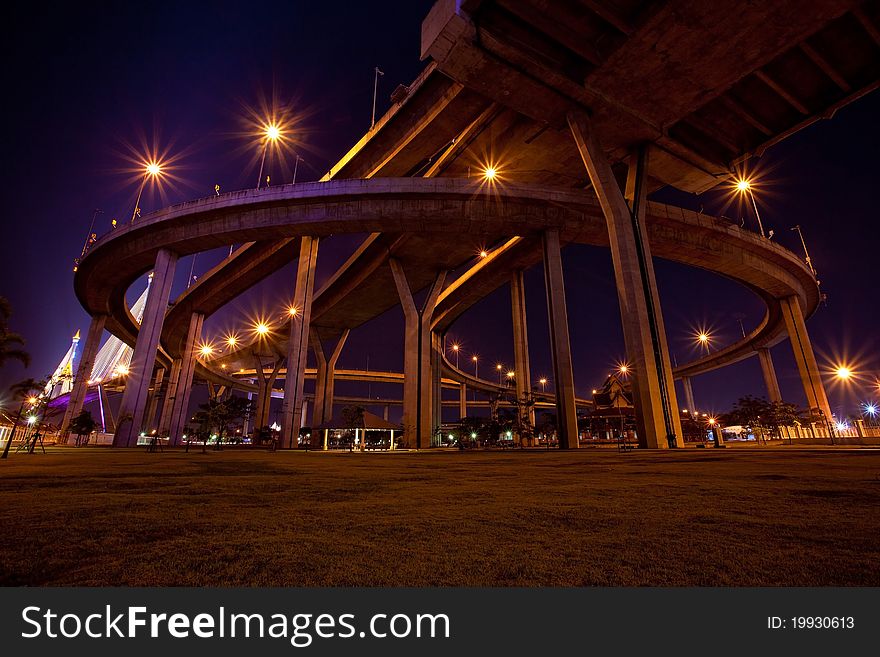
(436, 389)
(264, 392)
(325, 379)
(84, 371)
(298, 345)
(521, 342)
(656, 407)
(769, 372)
(462, 401)
(814, 389)
(134, 399)
(560, 345)
(106, 411)
(418, 381)
(689, 396)
(155, 393)
(170, 395)
(180, 406)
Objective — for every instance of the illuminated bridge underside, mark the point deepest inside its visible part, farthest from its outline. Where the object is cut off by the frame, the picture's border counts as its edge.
(422, 221)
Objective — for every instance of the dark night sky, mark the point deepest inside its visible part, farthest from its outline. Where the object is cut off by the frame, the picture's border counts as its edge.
(84, 79)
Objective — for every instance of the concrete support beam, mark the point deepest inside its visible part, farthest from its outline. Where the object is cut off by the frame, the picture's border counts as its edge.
(155, 394)
(814, 389)
(436, 388)
(325, 379)
(462, 401)
(298, 345)
(560, 345)
(134, 399)
(770, 380)
(170, 394)
(265, 383)
(657, 417)
(523, 375)
(106, 410)
(689, 395)
(180, 406)
(84, 371)
(418, 420)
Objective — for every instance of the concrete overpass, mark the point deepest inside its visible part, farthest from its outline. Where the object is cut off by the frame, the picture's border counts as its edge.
(575, 102)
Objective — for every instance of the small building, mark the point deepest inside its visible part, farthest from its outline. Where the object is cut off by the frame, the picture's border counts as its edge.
(369, 431)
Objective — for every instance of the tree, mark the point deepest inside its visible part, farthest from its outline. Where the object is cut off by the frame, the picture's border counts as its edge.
(10, 343)
(217, 415)
(782, 414)
(25, 391)
(353, 419)
(750, 412)
(83, 424)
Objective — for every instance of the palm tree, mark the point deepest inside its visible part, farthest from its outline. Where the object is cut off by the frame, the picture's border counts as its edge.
(22, 390)
(10, 343)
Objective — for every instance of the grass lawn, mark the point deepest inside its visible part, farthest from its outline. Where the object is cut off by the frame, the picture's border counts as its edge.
(756, 517)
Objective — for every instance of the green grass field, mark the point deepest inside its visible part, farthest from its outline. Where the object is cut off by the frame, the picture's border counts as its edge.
(761, 517)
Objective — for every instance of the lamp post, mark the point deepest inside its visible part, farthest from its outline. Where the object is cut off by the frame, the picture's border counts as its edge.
(152, 169)
(543, 382)
(745, 187)
(457, 349)
(499, 367)
(704, 339)
(271, 134)
(475, 359)
(806, 253)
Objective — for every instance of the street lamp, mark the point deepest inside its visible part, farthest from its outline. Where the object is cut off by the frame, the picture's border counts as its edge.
(152, 169)
(475, 359)
(499, 367)
(744, 186)
(261, 328)
(271, 134)
(704, 339)
(457, 349)
(543, 382)
(510, 376)
(806, 253)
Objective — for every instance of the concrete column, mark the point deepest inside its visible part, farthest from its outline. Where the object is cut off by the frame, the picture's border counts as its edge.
(153, 404)
(264, 391)
(106, 410)
(656, 407)
(521, 342)
(814, 389)
(134, 399)
(769, 372)
(298, 346)
(84, 371)
(325, 380)
(436, 389)
(462, 401)
(417, 385)
(560, 345)
(688, 395)
(180, 406)
(170, 395)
